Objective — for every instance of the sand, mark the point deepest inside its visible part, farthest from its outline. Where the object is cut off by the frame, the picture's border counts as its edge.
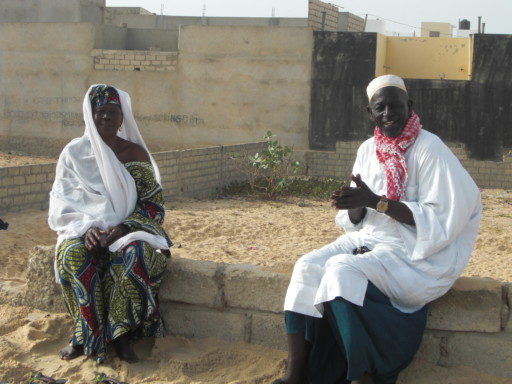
(11, 159)
(232, 230)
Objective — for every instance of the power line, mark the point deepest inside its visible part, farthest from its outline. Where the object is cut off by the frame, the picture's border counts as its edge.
(404, 24)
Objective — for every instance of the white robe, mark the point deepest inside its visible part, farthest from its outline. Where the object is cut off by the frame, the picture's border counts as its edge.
(92, 188)
(412, 265)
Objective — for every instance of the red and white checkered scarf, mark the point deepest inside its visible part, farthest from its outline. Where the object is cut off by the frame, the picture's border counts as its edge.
(390, 153)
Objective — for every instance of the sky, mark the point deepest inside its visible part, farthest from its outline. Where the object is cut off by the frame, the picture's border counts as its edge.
(497, 14)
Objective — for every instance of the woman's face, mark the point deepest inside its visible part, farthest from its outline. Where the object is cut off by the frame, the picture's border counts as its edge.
(108, 119)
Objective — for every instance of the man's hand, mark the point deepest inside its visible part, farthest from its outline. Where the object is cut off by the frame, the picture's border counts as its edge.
(113, 234)
(357, 197)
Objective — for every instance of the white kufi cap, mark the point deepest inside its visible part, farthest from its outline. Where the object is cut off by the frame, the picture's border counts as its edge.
(384, 81)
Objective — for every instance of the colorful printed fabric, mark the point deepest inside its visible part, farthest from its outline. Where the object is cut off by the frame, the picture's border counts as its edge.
(112, 293)
(390, 153)
(104, 94)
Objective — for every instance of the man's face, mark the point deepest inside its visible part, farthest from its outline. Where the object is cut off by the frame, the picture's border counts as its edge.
(390, 108)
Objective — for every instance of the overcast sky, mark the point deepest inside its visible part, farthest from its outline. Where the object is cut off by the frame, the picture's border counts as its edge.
(497, 14)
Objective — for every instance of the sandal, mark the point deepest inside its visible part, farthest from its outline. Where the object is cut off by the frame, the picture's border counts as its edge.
(39, 378)
(103, 379)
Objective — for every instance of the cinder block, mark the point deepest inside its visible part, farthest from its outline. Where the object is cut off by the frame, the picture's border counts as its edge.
(508, 325)
(431, 347)
(473, 304)
(14, 171)
(249, 286)
(489, 353)
(24, 170)
(199, 322)
(268, 330)
(194, 282)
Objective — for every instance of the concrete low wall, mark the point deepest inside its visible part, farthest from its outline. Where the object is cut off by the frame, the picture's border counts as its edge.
(192, 172)
(468, 327)
(338, 164)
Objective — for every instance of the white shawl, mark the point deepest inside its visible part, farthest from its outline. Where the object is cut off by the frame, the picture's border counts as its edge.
(92, 187)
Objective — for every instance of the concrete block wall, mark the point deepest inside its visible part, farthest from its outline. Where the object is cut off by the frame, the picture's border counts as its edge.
(128, 60)
(470, 326)
(191, 172)
(316, 10)
(338, 164)
(26, 186)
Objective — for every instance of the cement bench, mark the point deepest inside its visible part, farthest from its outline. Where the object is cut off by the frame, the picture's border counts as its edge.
(470, 326)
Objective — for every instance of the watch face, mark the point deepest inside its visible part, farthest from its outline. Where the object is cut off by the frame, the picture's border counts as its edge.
(382, 206)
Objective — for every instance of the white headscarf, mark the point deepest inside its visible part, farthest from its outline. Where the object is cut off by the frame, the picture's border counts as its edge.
(92, 187)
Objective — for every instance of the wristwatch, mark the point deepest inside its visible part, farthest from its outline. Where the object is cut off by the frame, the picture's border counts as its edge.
(382, 205)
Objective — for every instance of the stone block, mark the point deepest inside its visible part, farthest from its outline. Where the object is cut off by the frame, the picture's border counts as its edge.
(193, 282)
(489, 353)
(508, 323)
(14, 171)
(473, 304)
(268, 330)
(249, 286)
(431, 348)
(189, 321)
(43, 292)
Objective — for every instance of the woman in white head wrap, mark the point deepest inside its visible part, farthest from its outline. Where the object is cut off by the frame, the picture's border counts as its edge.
(107, 208)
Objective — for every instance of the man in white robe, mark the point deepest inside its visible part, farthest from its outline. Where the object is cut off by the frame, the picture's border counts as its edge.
(411, 204)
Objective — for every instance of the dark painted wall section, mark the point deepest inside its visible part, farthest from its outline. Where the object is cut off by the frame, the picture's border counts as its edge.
(343, 64)
(477, 112)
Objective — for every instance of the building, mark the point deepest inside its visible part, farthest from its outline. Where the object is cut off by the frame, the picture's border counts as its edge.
(435, 29)
(349, 22)
(376, 25)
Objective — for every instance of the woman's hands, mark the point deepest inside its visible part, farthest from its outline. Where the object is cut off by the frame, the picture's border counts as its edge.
(95, 238)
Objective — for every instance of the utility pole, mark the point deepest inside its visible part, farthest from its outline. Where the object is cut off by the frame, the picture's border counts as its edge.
(365, 20)
(479, 24)
(203, 18)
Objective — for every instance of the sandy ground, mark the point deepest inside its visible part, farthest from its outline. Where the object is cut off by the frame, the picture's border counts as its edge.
(8, 159)
(270, 234)
(232, 230)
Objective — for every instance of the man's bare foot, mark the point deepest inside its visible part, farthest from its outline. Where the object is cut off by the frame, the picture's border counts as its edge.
(71, 352)
(124, 349)
(294, 374)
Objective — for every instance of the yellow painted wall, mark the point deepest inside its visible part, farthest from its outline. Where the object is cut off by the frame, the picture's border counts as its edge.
(425, 57)
(380, 56)
(444, 28)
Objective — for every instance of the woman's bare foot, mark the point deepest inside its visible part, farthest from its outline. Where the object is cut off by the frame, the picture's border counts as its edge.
(124, 349)
(71, 352)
